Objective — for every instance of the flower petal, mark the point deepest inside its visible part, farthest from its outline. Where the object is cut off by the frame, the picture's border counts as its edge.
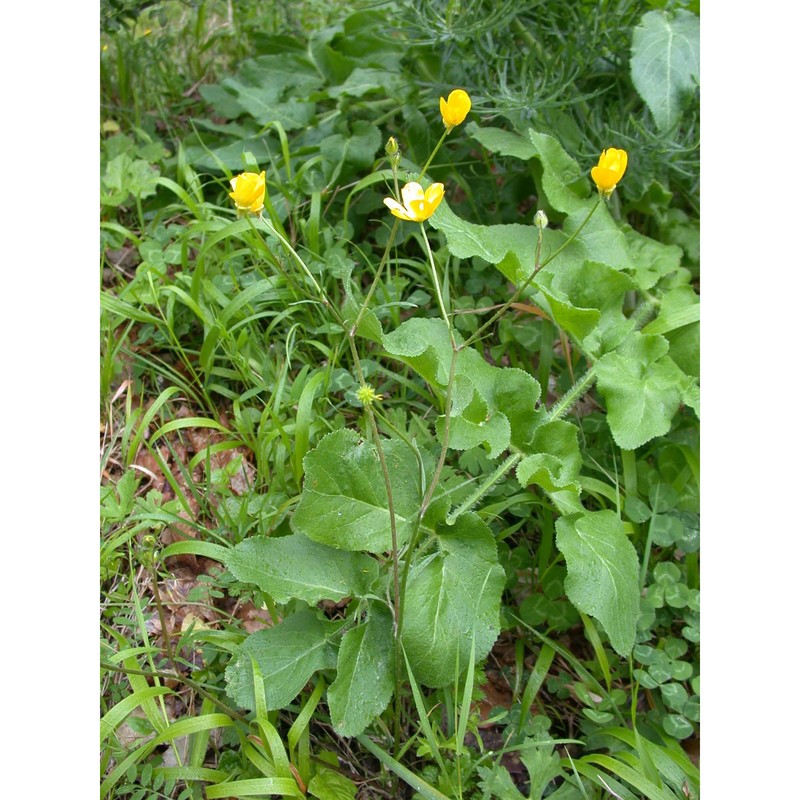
(397, 209)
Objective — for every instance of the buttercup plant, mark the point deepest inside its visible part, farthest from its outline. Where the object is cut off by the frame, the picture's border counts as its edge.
(420, 435)
(374, 523)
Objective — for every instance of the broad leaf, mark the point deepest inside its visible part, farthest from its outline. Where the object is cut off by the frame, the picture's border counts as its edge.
(287, 655)
(556, 459)
(492, 406)
(293, 566)
(511, 247)
(602, 573)
(642, 387)
(452, 595)
(586, 301)
(364, 673)
(344, 502)
(665, 63)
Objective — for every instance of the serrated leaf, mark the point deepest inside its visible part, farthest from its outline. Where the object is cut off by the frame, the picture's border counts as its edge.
(511, 247)
(293, 566)
(450, 596)
(602, 573)
(642, 387)
(287, 655)
(364, 673)
(586, 301)
(497, 782)
(344, 503)
(555, 462)
(543, 766)
(665, 63)
(651, 260)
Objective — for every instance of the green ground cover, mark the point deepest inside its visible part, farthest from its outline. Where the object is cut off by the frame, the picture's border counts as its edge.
(399, 499)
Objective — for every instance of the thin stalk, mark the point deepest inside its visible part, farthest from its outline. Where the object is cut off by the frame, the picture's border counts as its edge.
(372, 288)
(538, 265)
(162, 617)
(438, 288)
(168, 676)
(320, 291)
(435, 151)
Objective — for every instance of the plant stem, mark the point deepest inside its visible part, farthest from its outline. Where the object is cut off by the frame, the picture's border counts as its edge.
(511, 461)
(536, 267)
(438, 288)
(178, 677)
(374, 285)
(435, 151)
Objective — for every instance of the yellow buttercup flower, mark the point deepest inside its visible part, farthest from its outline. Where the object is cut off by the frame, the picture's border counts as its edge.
(418, 203)
(455, 108)
(248, 192)
(609, 170)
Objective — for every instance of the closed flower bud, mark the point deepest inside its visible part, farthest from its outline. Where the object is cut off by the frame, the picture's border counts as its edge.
(392, 147)
(609, 170)
(248, 192)
(455, 108)
(540, 220)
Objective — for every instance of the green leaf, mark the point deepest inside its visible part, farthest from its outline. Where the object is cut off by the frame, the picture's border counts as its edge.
(358, 149)
(511, 247)
(364, 673)
(344, 503)
(652, 260)
(293, 566)
(451, 595)
(637, 510)
(556, 459)
(366, 79)
(563, 180)
(586, 301)
(665, 63)
(643, 388)
(602, 573)
(287, 655)
(675, 696)
(330, 785)
(677, 726)
(491, 406)
(543, 766)
(497, 782)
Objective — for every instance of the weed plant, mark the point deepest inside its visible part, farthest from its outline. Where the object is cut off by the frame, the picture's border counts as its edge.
(400, 401)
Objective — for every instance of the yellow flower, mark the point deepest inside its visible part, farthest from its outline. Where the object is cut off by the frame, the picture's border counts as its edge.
(248, 192)
(609, 170)
(418, 204)
(455, 108)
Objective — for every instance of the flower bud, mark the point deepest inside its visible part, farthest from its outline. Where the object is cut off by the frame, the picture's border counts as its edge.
(366, 395)
(392, 147)
(540, 220)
